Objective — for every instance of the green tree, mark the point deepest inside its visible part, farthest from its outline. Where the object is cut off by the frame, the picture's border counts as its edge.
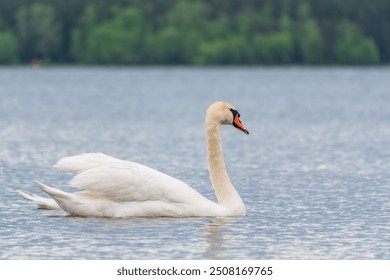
(79, 35)
(276, 47)
(308, 36)
(118, 40)
(179, 41)
(352, 47)
(231, 50)
(200, 31)
(187, 14)
(310, 42)
(220, 27)
(9, 48)
(252, 22)
(165, 46)
(38, 31)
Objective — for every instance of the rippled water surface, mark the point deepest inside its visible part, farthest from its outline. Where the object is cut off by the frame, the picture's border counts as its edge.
(314, 173)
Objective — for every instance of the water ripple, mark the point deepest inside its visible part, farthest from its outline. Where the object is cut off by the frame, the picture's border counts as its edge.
(314, 172)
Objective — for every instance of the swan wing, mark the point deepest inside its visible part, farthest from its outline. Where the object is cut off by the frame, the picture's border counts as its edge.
(83, 162)
(125, 181)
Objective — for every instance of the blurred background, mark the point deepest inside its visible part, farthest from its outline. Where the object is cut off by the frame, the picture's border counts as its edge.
(202, 32)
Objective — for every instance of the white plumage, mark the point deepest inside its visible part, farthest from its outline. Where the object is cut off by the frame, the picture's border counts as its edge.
(110, 187)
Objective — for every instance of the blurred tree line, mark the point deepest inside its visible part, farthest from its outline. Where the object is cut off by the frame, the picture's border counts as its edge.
(195, 32)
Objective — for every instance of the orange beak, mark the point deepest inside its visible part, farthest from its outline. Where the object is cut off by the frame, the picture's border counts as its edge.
(238, 124)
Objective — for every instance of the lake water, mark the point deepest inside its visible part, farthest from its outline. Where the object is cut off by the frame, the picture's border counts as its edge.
(314, 172)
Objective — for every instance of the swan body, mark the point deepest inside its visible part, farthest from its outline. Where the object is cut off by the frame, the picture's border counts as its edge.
(115, 188)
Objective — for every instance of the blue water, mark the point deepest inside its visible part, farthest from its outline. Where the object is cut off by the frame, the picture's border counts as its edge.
(314, 172)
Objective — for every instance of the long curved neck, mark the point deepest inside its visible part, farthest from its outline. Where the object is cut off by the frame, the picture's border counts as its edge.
(224, 190)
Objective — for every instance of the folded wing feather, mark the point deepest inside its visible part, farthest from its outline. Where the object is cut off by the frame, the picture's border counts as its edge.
(125, 180)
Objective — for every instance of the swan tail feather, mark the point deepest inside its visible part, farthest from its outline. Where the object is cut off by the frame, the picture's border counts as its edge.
(26, 196)
(54, 193)
(41, 202)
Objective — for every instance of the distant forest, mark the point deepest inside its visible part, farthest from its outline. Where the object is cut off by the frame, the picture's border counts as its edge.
(197, 32)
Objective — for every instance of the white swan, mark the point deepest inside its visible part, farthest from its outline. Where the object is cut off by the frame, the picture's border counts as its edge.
(116, 188)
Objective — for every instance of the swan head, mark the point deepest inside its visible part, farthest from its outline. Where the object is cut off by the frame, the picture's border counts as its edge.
(225, 113)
